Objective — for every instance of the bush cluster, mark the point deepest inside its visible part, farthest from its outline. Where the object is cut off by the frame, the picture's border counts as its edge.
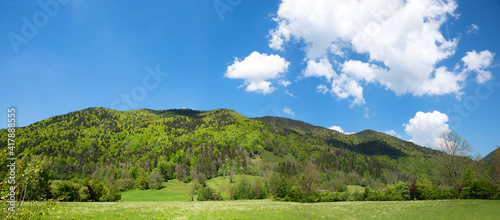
(92, 190)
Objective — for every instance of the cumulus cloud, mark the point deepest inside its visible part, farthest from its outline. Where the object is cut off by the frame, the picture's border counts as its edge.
(288, 111)
(402, 40)
(478, 62)
(339, 129)
(322, 68)
(257, 69)
(345, 87)
(426, 128)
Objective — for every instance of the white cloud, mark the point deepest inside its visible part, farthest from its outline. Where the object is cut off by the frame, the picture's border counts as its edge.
(322, 89)
(344, 87)
(402, 39)
(426, 128)
(319, 69)
(288, 111)
(473, 29)
(285, 83)
(392, 133)
(478, 62)
(290, 94)
(368, 113)
(339, 129)
(257, 69)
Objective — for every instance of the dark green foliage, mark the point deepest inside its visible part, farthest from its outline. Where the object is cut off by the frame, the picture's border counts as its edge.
(475, 189)
(97, 190)
(243, 190)
(39, 186)
(111, 194)
(133, 173)
(68, 190)
(207, 194)
(155, 179)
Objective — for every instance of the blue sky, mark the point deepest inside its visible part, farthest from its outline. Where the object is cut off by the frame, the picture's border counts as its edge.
(409, 69)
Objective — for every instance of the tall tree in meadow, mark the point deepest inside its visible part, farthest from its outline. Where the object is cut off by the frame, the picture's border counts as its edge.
(453, 162)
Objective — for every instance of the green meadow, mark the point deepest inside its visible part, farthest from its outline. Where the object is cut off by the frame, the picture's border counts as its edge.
(268, 209)
(175, 190)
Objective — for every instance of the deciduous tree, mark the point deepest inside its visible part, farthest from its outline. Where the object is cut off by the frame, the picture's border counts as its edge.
(454, 161)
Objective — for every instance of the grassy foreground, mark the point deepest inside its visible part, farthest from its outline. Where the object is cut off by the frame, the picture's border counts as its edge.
(268, 209)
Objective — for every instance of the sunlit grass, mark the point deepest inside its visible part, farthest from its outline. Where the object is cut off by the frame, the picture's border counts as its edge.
(173, 190)
(355, 188)
(268, 209)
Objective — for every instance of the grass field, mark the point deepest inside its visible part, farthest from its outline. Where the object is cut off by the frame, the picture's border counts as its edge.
(355, 188)
(268, 209)
(175, 190)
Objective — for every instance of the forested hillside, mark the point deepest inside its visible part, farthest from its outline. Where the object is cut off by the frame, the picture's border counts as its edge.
(85, 143)
(120, 149)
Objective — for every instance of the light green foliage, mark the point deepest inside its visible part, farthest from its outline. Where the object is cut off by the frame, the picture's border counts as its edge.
(84, 194)
(426, 190)
(141, 183)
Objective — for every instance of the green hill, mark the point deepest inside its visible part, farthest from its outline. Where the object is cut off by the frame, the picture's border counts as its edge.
(104, 144)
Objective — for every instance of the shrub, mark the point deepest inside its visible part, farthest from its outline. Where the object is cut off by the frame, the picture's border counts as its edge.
(243, 191)
(344, 196)
(259, 190)
(97, 189)
(207, 193)
(325, 197)
(125, 184)
(373, 195)
(449, 193)
(111, 194)
(155, 179)
(68, 190)
(480, 189)
(141, 183)
(392, 194)
(425, 190)
(404, 189)
(356, 196)
(84, 193)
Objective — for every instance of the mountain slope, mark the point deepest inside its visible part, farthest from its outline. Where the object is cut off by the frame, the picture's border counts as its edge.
(99, 143)
(489, 157)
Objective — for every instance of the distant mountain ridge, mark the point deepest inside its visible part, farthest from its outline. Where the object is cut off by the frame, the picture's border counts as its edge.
(489, 157)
